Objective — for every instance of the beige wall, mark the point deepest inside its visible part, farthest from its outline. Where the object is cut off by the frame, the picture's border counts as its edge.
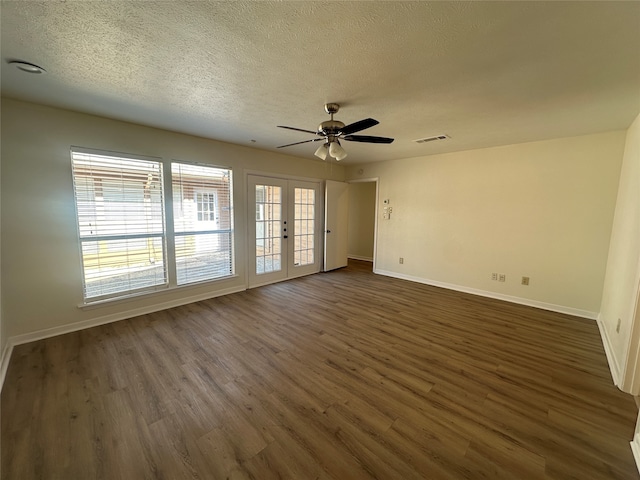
(3, 336)
(623, 272)
(362, 217)
(542, 210)
(41, 280)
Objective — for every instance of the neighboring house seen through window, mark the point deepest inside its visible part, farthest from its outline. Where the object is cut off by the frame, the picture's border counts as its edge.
(203, 221)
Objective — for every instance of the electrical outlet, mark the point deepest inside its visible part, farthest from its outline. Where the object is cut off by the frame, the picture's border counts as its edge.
(494, 276)
(401, 260)
(525, 280)
(502, 277)
(618, 326)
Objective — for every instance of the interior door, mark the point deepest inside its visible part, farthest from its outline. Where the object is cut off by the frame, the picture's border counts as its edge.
(285, 230)
(336, 199)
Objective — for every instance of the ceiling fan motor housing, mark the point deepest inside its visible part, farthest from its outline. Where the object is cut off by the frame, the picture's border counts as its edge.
(330, 127)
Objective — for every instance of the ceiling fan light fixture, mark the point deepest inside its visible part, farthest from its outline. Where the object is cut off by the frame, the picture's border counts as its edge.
(342, 156)
(322, 151)
(336, 151)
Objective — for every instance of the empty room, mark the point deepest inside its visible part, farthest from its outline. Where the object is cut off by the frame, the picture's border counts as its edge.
(319, 240)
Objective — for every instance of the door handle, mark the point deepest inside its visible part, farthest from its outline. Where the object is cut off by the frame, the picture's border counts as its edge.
(328, 231)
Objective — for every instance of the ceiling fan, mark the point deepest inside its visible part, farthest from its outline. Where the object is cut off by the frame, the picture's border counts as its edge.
(332, 131)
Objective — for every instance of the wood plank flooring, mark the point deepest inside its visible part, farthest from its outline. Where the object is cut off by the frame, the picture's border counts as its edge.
(342, 375)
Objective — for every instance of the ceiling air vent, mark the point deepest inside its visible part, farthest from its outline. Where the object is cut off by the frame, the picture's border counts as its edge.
(432, 139)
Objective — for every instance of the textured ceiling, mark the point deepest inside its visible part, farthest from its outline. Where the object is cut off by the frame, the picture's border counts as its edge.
(485, 73)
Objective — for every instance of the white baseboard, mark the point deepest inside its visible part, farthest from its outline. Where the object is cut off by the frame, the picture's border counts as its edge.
(94, 322)
(608, 350)
(635, 448)
(4, 361)
(358, 257)
(498, 296)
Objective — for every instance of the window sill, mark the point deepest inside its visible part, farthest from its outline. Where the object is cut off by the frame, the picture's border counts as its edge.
(91, 305)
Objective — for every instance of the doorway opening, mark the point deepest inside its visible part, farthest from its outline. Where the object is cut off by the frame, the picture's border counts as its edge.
(363, 201)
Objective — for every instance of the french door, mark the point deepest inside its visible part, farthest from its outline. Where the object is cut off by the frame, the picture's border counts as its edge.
(284, 235)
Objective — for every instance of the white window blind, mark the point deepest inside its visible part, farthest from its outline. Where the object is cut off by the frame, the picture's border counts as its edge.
(120, 213)
(203, 222)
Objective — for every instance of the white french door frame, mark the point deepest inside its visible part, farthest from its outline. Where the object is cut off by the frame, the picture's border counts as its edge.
(288, 269)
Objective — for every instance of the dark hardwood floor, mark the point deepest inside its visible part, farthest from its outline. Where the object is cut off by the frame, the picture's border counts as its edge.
(342, 375)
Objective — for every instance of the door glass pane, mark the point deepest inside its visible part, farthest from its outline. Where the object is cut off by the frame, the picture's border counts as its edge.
(303, 223)
(268, 229)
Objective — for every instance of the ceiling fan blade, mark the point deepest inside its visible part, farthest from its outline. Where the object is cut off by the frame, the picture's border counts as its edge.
(298, 143)
(357, 126)
(367, 139)
(300, 130)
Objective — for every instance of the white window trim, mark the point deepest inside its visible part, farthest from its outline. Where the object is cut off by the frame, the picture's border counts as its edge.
(169, 235)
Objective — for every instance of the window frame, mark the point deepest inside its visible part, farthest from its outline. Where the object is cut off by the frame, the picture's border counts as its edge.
(211, 203)
(168, 235)
(196, 232)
